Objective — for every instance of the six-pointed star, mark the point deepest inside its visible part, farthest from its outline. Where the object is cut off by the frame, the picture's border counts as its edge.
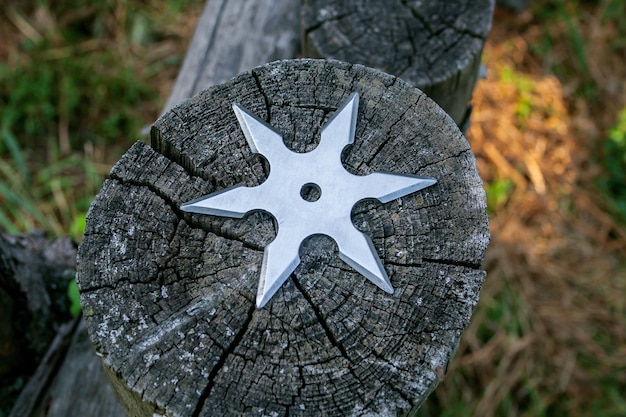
(283, 194)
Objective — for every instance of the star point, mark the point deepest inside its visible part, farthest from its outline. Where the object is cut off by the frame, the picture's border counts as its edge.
(297, 218)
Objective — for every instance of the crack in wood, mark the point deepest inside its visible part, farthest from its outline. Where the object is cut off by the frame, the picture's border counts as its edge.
(419, 18)
(451, 262)
(190, 219)
(152, 188)
(268, 106)
(222, 361)
(385, 142)
(320, 23)
(165, 148)
(322, 321)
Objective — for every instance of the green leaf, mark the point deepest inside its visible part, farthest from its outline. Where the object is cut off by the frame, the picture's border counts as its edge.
(77, 228)
(74, 295)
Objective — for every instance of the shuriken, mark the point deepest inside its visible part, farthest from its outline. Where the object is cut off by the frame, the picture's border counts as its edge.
(284, 194)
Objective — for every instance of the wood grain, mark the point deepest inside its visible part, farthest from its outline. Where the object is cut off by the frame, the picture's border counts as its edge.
(233, 36)
(434, 45)
(169, 298)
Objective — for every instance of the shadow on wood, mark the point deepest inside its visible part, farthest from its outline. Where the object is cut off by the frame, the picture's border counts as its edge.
(69, 381)
(34, 274)
(66, 377)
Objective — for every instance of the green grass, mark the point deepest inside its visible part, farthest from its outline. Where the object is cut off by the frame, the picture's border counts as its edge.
(54, 107)
(52, 194)
(498, 193)
(552, 15)
(525, 87)
(74, 95)
(575, 15)
(613, 183)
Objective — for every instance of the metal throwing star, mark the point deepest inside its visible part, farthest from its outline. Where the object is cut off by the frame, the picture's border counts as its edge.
(284, 194)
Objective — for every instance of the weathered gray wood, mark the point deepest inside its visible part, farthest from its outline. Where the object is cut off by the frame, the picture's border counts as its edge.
(233, 36)
(169, 298)
(435, 45)
(30, 399)
(69, 380)
(34, 274)
(80, 387)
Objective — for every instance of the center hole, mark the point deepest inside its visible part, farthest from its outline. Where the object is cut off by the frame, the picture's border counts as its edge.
(311, 192)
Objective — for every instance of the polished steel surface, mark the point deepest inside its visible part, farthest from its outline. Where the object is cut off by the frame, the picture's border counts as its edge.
(309, 193)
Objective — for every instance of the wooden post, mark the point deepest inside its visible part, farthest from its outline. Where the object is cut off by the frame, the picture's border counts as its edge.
(434, 45)
(169, 297)
(233, 36)
(34, 315)
(34, 273)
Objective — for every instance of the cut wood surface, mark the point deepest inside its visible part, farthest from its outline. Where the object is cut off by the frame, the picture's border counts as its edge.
(233, 36)
(169, 298)
(435, 45)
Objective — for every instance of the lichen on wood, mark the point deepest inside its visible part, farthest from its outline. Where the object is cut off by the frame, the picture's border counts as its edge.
(169, 297)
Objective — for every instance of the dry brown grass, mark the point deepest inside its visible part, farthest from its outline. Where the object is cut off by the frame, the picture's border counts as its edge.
(549, 334)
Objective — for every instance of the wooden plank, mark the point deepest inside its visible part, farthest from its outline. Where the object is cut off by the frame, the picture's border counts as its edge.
(80, 388)
(69, 380)
(233, 36)
(34, 274)
(30, 399)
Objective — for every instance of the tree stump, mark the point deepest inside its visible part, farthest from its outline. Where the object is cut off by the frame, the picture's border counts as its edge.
(169, 297)
(434, 45)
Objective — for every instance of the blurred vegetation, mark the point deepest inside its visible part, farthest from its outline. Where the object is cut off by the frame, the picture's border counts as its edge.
(498, 193)
(582, 21)
(78, 81)
(548, 337)
(77, 84)
(614, 161)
